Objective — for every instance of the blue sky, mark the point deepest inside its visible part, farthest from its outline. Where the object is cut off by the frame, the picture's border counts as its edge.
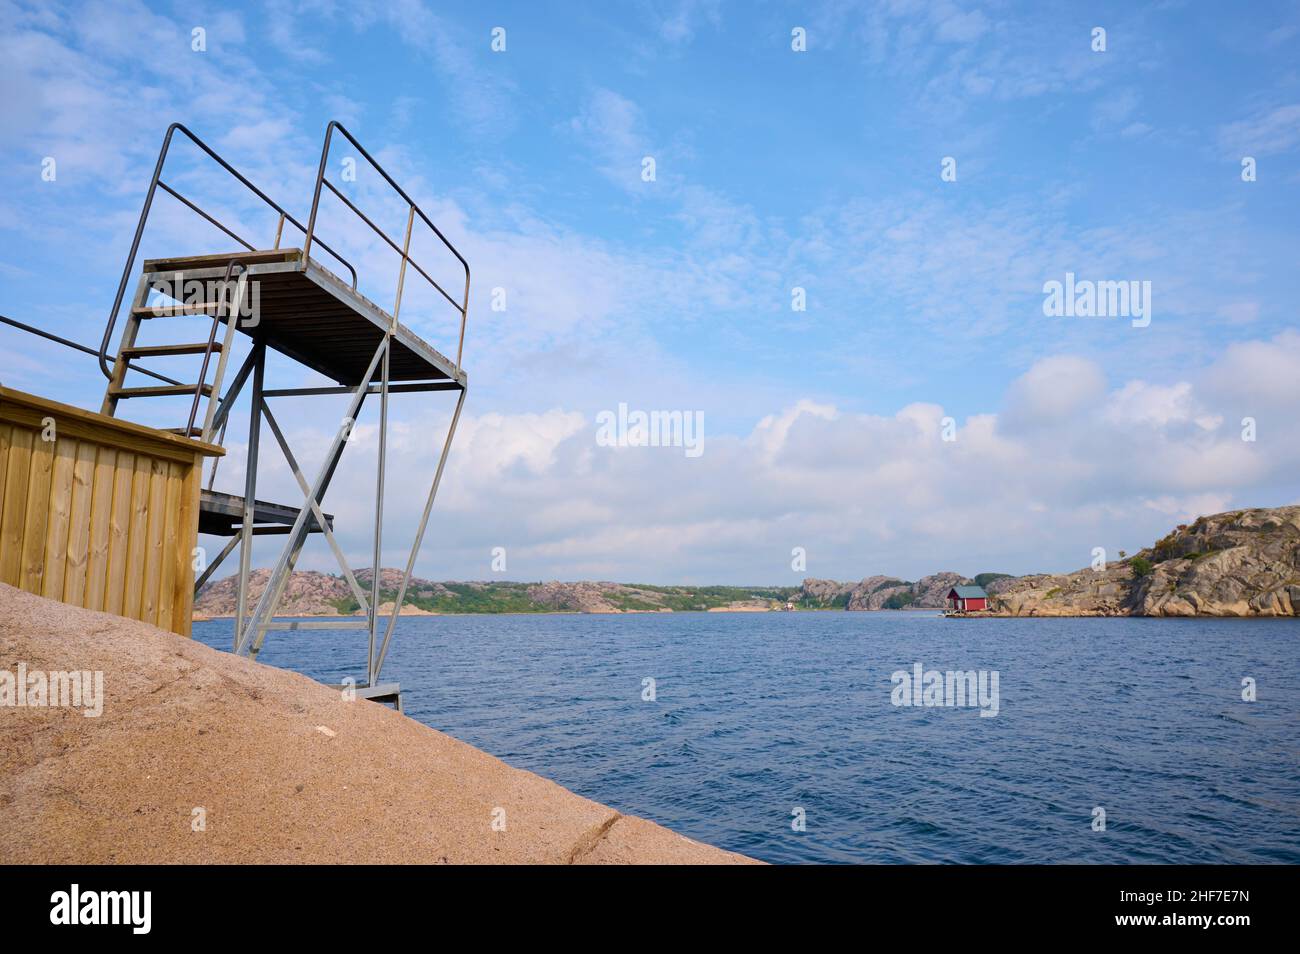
(775, 169)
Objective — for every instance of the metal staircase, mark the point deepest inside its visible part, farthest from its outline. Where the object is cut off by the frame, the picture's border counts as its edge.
(227, 306)
(284, 301)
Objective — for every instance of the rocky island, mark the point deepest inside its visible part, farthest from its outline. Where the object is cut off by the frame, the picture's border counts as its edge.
(1239, 563)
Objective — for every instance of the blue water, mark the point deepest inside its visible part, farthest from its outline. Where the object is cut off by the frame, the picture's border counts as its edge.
(759, 714)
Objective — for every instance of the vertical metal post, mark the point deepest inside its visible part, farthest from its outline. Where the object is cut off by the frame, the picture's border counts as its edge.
(464, 314)
(135, 247)
(376, 569)
(250, 489)
(401, 272)
(315, 199)
(375, 565)
(419, 538)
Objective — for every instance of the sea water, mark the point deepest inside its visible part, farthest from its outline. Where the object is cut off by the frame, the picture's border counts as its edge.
(778, 734)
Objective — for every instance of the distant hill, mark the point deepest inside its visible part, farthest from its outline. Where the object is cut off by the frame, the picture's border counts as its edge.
(1241, 563)
(311, 593)
(879, 592)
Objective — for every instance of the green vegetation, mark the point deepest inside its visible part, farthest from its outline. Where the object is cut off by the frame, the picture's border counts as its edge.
(1166, 548)
(899, 600)
(984, 579)
(472, 598)
(1141, 567)
(1053, 592)
(513, 598)
(684, 598)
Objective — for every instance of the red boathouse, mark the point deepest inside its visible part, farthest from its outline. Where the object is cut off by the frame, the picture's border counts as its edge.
(965, 599)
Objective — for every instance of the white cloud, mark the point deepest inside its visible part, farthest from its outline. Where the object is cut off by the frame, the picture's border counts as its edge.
(613, 128)
(1268, 132)
(862, 493)
(683, 18)
(1054, 391)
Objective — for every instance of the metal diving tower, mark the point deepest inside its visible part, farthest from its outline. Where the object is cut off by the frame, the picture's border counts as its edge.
(284, 300)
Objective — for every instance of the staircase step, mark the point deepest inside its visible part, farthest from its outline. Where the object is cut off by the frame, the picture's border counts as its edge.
(172, 311)
(142, 351)
(184, 432)
(163, 391)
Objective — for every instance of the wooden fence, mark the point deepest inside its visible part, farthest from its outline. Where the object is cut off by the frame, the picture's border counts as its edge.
(98, 512)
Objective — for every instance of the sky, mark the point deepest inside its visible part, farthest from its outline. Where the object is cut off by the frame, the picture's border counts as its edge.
(916, 173)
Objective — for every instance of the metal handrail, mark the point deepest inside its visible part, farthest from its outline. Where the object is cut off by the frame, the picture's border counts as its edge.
(76, 346)
(144, 217)
(413, 210)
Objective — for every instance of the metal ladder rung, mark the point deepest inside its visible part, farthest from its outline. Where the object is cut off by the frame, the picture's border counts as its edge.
(172, 311)
(144, 351)
(161, 391)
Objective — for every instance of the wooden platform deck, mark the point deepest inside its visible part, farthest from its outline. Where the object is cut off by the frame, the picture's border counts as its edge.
(222, 515)
(311, 315)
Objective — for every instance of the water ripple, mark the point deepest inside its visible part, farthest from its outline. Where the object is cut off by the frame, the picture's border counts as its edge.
(758, 717)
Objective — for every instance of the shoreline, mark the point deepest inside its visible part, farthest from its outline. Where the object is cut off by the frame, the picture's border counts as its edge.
(938, 612)
(212, 617)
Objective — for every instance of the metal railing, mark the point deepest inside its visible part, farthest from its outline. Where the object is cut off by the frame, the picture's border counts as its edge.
(154, 184)
(50, 336)
(403, 250)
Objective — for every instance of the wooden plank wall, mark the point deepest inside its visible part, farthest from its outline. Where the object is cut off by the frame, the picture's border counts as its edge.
(95, 524)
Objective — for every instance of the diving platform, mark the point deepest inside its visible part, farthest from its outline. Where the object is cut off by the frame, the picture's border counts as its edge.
(222, 515)
(307, 313)
(250, 299)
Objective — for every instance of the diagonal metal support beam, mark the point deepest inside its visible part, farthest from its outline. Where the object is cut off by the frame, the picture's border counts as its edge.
(415, 546)
(316, 509)
(251, 639)
(258, 358)
(212, 567)
(222, 418)
(236, 385)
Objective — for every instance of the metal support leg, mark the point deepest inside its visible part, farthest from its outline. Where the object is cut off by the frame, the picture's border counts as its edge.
(250, 490)
(237, 385)
(251, 638)
(376, 570)
(419, 538)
